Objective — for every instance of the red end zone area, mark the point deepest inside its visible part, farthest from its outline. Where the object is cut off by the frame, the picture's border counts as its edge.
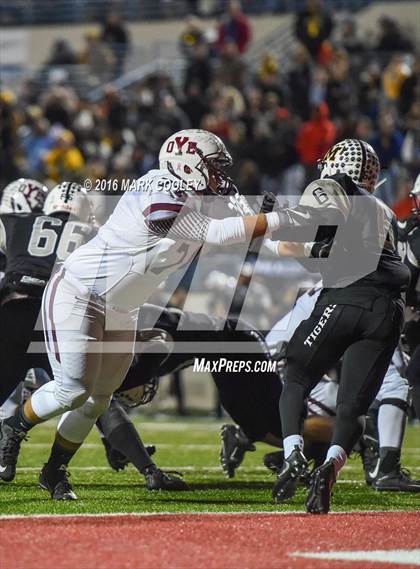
(219, 541)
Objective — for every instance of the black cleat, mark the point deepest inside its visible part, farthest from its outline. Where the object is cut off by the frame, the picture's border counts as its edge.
(319, 497)
(157, 479)
(294, 467)
(116, 459)
(151, 449)
(56, 481)
(10, 441)
(274, 461)
(369, 452)
(234, 446)
(396, 481)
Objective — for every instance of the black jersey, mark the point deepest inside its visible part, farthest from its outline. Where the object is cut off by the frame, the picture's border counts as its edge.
(32, 243)
(364, 257)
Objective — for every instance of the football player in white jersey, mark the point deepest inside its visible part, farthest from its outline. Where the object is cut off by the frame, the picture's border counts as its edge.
(90, 305)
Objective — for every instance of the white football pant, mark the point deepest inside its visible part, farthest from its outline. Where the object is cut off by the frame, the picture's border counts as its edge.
(90, 348)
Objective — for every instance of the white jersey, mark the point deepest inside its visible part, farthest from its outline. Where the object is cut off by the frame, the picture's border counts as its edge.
(140, 244)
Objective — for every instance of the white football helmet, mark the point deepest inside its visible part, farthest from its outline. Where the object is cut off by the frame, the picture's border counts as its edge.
(69, 197)
(353, 157)
(23, 196)
(198, 158)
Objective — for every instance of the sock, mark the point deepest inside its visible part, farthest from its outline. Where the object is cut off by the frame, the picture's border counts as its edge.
(19, 421)
(391, 425)
(62, 451)
(126, 440)
(339, 455)
(290, 442)
(389, 460)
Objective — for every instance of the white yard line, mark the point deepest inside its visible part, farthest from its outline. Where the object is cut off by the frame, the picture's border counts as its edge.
(198, 469)
(161, 426)
(192, 446)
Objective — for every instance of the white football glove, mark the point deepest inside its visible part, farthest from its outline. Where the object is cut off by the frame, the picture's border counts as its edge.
(240, 205)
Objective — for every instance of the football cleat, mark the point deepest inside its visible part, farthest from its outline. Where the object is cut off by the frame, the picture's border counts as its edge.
(10, 441)
(396, 481)
(320, 491)
(370, 462)
(56, 481)
(368, 447)
(116, 460)
(294, 468)
(274, 461)
(157, 479)
(234, 446)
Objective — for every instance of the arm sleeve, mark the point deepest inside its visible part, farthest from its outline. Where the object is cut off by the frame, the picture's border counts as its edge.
(194, 226)
(324, 203)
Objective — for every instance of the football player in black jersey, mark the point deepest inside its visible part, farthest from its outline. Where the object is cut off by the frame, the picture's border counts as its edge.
(21, 287)
(33, 236)
(358, 316)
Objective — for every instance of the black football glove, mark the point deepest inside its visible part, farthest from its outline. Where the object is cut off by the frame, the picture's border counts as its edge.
(269, 202)
(322, 249)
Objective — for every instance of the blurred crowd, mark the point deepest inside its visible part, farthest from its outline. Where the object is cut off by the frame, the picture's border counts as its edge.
(277, 120)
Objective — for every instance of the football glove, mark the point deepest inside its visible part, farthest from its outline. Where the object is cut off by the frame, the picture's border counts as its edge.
(269, 202)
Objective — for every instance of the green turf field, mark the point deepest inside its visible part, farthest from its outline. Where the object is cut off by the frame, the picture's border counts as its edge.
(192, 447)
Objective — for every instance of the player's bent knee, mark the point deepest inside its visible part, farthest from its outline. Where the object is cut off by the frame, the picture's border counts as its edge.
(96, 405)
(72, 394)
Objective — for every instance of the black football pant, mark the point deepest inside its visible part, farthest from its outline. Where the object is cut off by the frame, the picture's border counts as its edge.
(365, 338)
(17, 322)
(251, 400)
